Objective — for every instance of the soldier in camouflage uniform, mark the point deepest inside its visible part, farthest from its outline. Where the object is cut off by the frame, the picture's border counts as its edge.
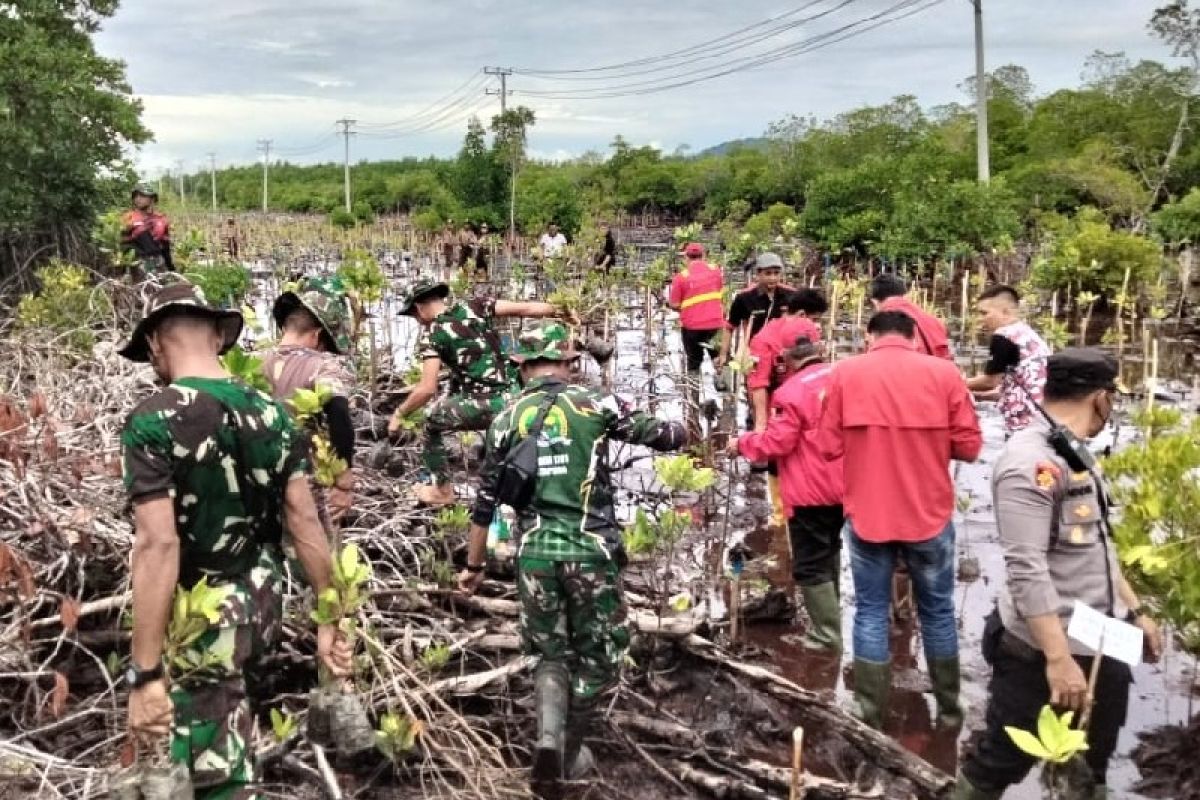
(213, 469)
(463, 337)
(314, 321)
(569, 555)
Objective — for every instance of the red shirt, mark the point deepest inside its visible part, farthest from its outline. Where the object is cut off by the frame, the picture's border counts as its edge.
(931, 333)
(898, 417)
(697, 291)
(805, 477)
(777, 336)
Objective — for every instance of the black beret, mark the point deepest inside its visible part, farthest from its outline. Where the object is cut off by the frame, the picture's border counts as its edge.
(1082, 368)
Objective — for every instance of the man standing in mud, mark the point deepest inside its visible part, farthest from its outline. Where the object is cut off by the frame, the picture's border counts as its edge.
(897, 417)
(1052, 507)
(146, 232)
(213, 469)
(314, 324)
(461, 336)
(569, 551)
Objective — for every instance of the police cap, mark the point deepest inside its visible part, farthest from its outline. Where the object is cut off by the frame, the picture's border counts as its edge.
(1078, 370)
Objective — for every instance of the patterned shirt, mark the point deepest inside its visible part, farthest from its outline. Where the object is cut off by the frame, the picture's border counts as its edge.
(464, 338)
(571, 517)
(1020, 354)
(223, 453)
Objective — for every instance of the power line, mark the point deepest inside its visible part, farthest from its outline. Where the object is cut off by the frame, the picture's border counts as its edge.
(464, 92)
(857, 28)
(502, 73)
(448, 118)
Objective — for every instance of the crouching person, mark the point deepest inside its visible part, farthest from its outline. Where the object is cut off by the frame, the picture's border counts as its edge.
(569, 548)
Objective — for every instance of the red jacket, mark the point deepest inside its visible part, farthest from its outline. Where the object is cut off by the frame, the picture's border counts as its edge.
(697, 291)
(932, 339)
(805, 477)
(776, 337)
(898, 416)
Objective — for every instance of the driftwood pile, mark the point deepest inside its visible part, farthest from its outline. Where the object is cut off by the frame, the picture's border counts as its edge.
(65, 537)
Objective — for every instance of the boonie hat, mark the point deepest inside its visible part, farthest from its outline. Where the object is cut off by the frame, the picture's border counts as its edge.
(551, 342)
(325, 299)
(420, 290)
(767, 261)
(182, 299)
(1084, 368)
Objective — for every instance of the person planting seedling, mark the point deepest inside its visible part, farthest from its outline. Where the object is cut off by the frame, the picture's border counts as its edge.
(463, 337)
(214, 470)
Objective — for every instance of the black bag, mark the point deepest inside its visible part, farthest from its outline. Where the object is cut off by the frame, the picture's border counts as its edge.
(518, 470)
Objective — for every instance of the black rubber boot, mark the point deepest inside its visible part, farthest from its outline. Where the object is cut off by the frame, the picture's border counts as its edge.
(552, 693)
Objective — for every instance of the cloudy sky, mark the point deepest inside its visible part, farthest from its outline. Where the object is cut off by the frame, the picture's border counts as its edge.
(218, 75)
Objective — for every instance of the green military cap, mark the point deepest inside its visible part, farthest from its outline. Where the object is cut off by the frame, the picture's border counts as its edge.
(326, 300)
(422, 289)
(550, 342)
(183, 299)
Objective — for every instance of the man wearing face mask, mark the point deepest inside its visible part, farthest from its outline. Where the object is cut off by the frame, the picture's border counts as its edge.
(1052, 514)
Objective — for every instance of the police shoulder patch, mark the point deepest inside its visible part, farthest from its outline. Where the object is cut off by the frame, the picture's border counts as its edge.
(1046, 475)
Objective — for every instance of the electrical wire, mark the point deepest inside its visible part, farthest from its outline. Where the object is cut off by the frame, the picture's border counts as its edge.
(449, 118)
(465, 92)
(689, 57)
(906, 8)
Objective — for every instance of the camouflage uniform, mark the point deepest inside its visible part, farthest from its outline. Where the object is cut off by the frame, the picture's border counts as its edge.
(464, 338)
(292, 367)
(569, 548)
(223, 453)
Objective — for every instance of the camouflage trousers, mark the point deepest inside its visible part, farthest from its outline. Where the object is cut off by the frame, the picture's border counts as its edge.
(458, 412)
(214, 726)
(572, 613)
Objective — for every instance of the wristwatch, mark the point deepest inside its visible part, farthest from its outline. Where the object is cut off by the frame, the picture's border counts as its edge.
(1132, 615)
(135, 677)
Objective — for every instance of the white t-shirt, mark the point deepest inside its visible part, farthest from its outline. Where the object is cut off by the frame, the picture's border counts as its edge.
(552, 245)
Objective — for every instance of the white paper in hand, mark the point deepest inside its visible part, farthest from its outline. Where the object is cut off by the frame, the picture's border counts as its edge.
(1121, 640)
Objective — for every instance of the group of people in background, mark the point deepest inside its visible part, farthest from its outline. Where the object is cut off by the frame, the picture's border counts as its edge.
(861, 450)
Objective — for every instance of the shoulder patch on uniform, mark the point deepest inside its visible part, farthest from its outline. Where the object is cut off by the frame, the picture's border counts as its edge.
(1047, 475)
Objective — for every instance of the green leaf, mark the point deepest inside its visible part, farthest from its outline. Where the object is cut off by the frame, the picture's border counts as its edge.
(1027, 743)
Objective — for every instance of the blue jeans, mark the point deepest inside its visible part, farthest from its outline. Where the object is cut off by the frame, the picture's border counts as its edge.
(931, 565)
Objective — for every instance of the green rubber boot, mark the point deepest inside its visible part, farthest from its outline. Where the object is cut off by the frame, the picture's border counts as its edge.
(964, 790)
(872, 685)
(945, 675)
(825, 617)
(552, 693)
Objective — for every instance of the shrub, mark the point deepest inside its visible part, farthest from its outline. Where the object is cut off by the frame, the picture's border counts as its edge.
(67, 304)
(341, 218)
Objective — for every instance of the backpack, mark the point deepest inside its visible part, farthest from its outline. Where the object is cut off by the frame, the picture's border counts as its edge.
(518, 470)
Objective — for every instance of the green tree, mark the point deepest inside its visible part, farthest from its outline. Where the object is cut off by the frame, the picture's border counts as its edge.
(510, 131)
(67, 119)
(478, 180)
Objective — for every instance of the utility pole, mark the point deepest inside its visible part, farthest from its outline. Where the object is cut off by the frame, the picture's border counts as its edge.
(346, 134)
(503, 91)
(212, 177)
(264, 147)
(981, 99)
(179, 173)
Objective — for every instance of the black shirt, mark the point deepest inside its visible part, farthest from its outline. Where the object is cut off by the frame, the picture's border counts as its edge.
(755, 305)
(1003, 355)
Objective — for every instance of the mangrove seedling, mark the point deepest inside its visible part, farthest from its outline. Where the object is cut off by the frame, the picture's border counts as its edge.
(1058, 746)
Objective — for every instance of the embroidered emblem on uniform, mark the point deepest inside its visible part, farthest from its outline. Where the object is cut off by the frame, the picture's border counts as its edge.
(1082, 510)
(1080, 476)
(1047, 475)
(1077, 535)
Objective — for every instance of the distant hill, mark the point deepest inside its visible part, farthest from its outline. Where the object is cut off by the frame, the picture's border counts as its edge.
(752, 143)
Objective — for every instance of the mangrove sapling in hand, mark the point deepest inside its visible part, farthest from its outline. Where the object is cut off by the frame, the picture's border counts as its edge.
(188, 650)
(1065, 775)
(336, 715)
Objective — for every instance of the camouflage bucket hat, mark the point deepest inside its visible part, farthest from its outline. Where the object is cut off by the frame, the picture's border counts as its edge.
(324, 299)
(179, 299)
(551, 342)
(420, 290)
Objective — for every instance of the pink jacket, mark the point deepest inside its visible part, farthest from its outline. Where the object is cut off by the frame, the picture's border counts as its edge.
(805, 477)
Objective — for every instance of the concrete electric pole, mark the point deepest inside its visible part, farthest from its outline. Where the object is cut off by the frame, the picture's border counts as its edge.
(346, 134)
(503, 91)
(264, 147)
(981, 99)
(179, 173)
(212, 177)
